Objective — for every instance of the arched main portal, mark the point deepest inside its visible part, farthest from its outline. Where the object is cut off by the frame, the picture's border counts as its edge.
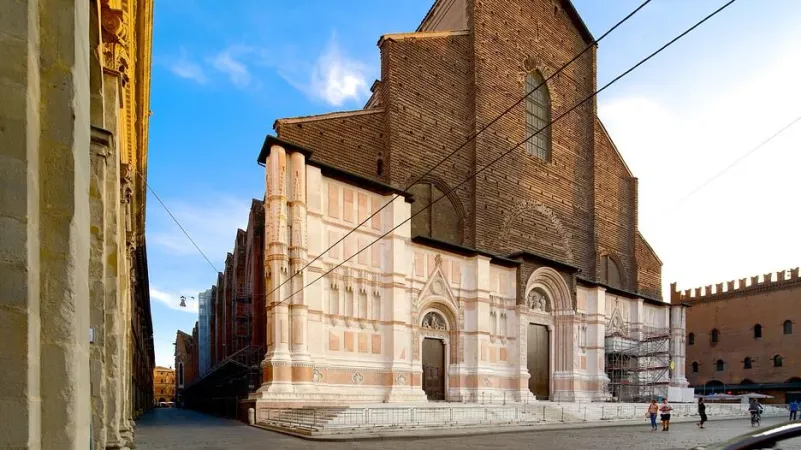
(548, 325)
(434, 329)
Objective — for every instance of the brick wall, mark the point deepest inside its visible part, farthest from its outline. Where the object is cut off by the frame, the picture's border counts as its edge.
(735, 316)
(438, 88)
(426, 93)
(255, 271)
(348, 141)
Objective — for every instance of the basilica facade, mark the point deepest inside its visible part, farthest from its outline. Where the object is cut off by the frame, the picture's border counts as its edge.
(515, 282)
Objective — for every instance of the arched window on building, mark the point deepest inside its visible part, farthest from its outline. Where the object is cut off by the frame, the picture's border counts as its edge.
(441, 221)
(757, 331)
(691, 339)
(788, 327)
(719, 365)
(538, 116)
(777, 361)
(747, 363)
(610, 272)
(715, 336)
(695, 366)
(180, 374)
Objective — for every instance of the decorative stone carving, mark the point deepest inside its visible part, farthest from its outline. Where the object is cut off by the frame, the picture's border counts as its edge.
(115, 41)
(536, 301)
(438, 260)
(317, 377)
(436, 287)
(434, 321)
(400, 380)
(357, 378)
(487, 382)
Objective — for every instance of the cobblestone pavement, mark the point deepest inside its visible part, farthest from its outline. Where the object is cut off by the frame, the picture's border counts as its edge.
(176, 429)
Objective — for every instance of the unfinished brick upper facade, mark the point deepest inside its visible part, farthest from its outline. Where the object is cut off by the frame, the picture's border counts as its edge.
(463, 67)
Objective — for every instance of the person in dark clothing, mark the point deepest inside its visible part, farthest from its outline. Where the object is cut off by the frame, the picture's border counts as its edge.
(701, 412)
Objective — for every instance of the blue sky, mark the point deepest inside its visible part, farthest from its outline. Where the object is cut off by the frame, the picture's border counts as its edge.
(224, 71)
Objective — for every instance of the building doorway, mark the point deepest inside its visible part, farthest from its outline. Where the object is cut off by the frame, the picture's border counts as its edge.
(434, 368)
(538, 358)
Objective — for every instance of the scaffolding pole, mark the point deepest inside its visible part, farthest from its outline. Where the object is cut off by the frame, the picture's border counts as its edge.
(638, 362)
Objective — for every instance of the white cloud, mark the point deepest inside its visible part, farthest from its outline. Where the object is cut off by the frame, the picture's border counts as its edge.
(211, 222)
(739, 224)
(333, 78)
(184, 67)
(226, 62)
(173, 299)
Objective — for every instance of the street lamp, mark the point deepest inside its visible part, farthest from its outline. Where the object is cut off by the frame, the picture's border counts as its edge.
(183, 301)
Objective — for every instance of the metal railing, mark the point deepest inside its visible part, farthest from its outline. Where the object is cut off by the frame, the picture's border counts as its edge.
(394, 417)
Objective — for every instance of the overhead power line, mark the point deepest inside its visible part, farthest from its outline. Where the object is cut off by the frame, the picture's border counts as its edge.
(152, 191)
(470, 139)
(507, 152)
(735, 162)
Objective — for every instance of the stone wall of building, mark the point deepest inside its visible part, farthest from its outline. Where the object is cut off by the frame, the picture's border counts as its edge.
(163, 384)
(74, 120)
(755, 318)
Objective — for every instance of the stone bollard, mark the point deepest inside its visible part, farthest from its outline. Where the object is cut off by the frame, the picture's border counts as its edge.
(251, 416)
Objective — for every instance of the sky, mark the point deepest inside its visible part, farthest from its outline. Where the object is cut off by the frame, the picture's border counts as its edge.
(224, 71)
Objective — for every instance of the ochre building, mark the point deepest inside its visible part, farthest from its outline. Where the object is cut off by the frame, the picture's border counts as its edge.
(743, 336)
(74, 310)
(522, 284)
(163, 385)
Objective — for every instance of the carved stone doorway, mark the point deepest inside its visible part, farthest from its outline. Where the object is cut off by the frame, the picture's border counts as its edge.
(434, 369)
(538, 360)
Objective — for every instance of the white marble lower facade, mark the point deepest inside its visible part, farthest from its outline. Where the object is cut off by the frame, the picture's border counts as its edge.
(370, 330)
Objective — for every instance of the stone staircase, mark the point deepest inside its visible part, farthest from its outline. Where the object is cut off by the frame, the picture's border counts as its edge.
(432, 416)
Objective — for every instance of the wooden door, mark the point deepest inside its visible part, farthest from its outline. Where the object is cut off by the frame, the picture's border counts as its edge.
(538, 359)
(434, 368)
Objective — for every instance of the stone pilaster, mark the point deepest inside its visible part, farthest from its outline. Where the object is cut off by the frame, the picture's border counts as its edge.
(276, 366)
(302, 369)
(114, 274)
(678, 331)
(100, 154)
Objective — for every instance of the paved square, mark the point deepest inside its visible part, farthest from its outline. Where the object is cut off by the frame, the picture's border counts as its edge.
(175, 429)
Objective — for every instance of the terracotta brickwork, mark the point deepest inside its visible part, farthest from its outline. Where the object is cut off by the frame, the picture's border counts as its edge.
(440, 86)
(769, 303)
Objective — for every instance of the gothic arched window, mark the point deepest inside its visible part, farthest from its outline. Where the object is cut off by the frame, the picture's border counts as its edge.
(441, 221)
(747, 363)
(695, 367)
(691, 339)
(719, 365)
(610, 272)
(757, 331)
(777, 361)
(538, 117)
(715, 336)
(788, 327)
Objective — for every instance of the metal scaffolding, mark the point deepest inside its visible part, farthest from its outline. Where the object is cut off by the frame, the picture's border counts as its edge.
(638, 362)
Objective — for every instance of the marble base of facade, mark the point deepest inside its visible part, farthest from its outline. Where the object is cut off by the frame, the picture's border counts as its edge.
(298, 396)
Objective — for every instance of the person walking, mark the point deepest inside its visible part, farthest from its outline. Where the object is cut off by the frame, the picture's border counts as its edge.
(653, 409)
(701, 412)
(794, 410)
(665, 409)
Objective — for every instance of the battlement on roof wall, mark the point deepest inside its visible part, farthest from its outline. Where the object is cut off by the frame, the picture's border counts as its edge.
(757, 283)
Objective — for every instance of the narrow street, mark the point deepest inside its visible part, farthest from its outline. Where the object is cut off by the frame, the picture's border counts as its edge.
(173, 429)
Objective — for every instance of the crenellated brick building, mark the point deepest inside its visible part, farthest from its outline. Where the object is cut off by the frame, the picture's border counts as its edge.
(743, 336)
